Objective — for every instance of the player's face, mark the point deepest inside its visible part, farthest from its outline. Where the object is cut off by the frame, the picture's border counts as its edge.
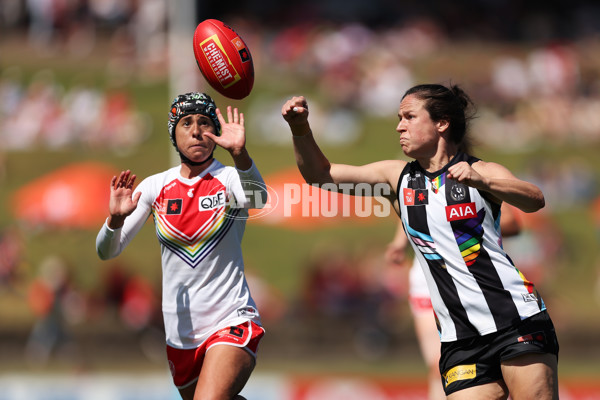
(191, 141)
(418, 134)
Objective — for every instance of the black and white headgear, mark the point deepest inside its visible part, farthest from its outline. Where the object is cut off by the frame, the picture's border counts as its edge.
(192, 103)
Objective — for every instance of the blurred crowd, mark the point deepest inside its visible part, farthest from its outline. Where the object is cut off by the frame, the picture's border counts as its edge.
(73, 27)
(61, 306)
(82, 115)
(121, 302)
(547, 89)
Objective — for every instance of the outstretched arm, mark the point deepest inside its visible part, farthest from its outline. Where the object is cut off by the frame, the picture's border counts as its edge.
(314, 165)
(311, 161)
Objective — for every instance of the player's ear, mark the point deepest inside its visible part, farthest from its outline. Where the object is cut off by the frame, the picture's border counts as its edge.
(442, 126)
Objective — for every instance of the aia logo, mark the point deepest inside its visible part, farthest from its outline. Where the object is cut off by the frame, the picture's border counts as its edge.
(460, 211)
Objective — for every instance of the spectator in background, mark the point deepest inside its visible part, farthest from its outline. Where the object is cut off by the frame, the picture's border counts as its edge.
(57, 305)
(11, 252)
(81, 115)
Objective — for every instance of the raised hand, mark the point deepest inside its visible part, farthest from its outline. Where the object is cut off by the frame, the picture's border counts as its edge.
(462, 172)
(233, 137)
(233, 132)
(122, 202)
(295, 111)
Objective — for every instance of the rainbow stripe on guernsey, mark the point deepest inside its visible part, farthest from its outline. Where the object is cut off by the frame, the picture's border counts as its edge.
(437, 183)
(191, 219)
(469, 240)
(528, 284)
(424, 243)
(194, 248)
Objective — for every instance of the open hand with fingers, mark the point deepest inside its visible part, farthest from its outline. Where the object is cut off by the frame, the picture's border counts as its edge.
(122, 202)
(233, 132)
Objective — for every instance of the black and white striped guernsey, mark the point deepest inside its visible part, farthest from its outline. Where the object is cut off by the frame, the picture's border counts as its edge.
(475, 287)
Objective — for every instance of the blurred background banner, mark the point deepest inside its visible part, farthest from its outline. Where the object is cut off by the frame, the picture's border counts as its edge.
(73, 196)
(85, 89)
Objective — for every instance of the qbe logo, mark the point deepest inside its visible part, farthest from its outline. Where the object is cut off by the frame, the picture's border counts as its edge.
(212, 201)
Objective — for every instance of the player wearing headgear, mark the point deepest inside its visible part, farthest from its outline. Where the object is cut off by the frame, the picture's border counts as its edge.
(188, 104)
(199, 210)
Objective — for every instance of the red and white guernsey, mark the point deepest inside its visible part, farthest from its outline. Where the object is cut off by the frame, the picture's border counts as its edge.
(199, 223)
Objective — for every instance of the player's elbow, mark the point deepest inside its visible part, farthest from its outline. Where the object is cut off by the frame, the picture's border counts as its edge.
(537, 203)
(316, 173)
(105, 254)
(101, 255)
(316, 178)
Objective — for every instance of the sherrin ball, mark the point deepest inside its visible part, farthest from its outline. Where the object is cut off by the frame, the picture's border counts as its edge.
(224, 59)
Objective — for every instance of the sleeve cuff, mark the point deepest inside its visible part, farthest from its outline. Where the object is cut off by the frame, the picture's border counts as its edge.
(109, 231)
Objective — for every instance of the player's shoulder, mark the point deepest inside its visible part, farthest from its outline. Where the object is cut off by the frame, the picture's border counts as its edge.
(160, 179)
(219, 169)
(391, 170)
(166, 174)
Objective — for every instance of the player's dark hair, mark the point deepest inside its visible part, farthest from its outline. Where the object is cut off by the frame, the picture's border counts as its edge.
(451, 104)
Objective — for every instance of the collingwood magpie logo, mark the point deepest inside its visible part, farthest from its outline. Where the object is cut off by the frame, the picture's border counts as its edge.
(458, 192)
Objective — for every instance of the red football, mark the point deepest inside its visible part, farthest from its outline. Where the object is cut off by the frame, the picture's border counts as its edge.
(224, 59)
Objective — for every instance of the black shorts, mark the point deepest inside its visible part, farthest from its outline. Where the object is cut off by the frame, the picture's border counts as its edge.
(476, 361)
